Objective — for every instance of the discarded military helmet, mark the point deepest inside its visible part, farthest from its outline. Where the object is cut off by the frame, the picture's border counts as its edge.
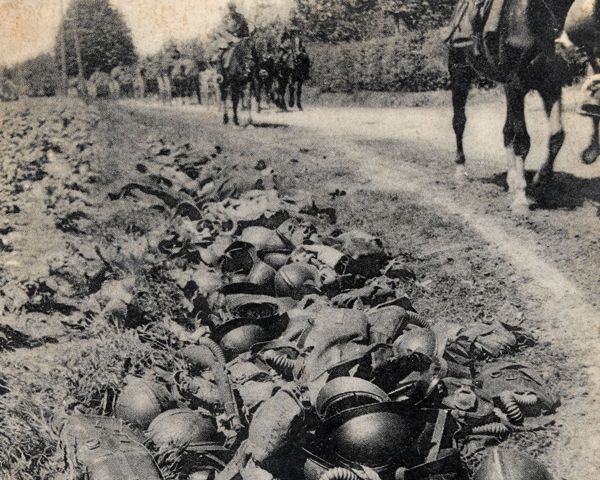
(296, 280)
(103, 448)
(238, 258)
(314, 466)
(417, 340)
(343, 393)
(375, 435)
(239, 340)
(276, 259)
(263, 239)
(261, 274)
(504, 464)
(141, 401)
(198, 357)
(237, 336)
(182, 427)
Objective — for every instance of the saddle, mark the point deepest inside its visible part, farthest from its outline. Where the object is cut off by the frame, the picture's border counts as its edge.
(228, 53)
(473, 23)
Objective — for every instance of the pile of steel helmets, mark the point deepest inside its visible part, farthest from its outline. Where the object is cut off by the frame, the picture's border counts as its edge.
(307, 360)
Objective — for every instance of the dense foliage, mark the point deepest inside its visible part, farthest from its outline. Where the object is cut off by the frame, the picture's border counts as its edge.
(398, 64)
(343, 20)
(103, 36)
(37, 76)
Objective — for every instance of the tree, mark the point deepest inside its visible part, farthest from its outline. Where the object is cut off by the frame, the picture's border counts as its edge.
(338, 20)
(99, 33)
(37, 76)
(417, 14)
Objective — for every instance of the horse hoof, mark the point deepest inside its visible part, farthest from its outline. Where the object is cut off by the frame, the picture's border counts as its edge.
(589, 156)
(461, 174)
(236, 122)
(521, 205)
(542, 177)
(225, 119)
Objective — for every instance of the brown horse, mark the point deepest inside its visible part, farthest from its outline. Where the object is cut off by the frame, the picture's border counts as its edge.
(238, 68)
(519, 53)
(582, 27)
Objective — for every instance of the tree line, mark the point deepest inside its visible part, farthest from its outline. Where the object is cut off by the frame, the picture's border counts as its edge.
(93, 35)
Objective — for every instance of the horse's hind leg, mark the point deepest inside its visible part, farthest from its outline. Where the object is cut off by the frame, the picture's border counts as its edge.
(223, 89)
(299, 95)
(292, 89)
(235, 100)
(589, 155)
(517, 143)
(551, 97)
(461, 77)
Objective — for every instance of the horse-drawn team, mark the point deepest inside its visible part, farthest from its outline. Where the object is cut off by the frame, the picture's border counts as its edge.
(513, 42)
(242, 65)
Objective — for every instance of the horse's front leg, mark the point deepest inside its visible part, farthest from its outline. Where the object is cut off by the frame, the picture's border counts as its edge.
(517, 143)
(292, 89)
(258, 93)
(235, 100)
(299, 95)
(251, 94)
(223, 90)
(590, 154)
(552, 98)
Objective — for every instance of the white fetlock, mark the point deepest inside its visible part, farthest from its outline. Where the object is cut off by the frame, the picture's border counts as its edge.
(521, 203)
(461, 174)
(511, 180)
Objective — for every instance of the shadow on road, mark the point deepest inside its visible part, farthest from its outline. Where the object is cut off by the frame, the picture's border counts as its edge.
(564, 192)
(270, 125)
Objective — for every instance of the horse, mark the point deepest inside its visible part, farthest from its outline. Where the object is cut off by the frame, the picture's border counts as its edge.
(583, 30)
(292, 70)
(520, 53)
(185, 79)
(238, 68)
(98, 85)
(300, 73)
(284, 69)
(264, 78)
(122, 81)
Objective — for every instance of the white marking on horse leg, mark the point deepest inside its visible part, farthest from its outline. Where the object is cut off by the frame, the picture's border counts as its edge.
(460, 173)
(510, 168)
(517, 183)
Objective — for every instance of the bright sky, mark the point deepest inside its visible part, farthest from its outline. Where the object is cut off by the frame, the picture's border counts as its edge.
(29, 27)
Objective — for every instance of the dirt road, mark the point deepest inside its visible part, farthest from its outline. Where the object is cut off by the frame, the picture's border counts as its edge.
(554, 251)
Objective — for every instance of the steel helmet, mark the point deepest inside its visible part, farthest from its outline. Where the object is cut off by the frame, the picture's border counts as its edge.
(375, 435)
(504, 464)
(197, 357)
(263, 239)
(276, 259)
(241, 339)
(343, 393)
(182, 427)
(314, 466)
(417, 340)
(237, 336)
(141, 401)
(296, 280)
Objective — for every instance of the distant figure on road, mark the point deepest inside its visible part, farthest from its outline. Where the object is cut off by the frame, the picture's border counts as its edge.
(232, 29)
